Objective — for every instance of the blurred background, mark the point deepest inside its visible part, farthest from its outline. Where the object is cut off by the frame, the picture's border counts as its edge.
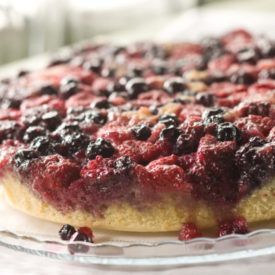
(31, 27)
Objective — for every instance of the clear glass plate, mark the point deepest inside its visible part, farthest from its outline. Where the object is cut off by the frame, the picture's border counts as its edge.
(196, 251)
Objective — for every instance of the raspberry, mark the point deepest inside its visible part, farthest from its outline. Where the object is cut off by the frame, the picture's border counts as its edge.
(189, 231)
(234, 226)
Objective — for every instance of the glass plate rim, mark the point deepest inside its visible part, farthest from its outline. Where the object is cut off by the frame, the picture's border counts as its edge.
(16, 242)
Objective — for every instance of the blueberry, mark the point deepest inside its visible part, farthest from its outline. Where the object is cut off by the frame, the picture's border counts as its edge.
(136, 86)
(33, 132)
(68, 128)
(52, 119)
(100, 147)
(267, 74)
(170, 133)
(75, 141)
(248, 55)
(160, 69)
(42, 145)
(10, 130)
(93, 116)
(141, 132)
(48, 90)
(94, 65)
(23, 157)
(154, 110)
(242, 77)
(174, 85)
(258, 108)
(108, 72)
(69, 79)
(228, 131)
(69, 89)
(135, 72)
(22, 73)
(266, 47)
(79, 248)
(10, 103)
(169, 120)
(214, 115)
(101, 104)
(66, 232)
(205, 99)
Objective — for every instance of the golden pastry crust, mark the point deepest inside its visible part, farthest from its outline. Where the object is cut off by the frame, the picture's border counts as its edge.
(163, 216)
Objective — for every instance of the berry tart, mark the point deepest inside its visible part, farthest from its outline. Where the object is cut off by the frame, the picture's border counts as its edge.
(145, 137)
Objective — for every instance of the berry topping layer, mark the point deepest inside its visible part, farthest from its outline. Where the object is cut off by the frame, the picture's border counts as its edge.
(136, 123)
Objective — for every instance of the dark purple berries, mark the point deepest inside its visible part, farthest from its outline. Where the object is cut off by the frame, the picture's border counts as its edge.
(48, 90)
(214, 115)
(258, 108)
(205, 99)
(256, 161)
(52, 119)
(136, 86)
(94, 65)
(93, 116)
(228, 131)
(170, 133)
(10, 130)
(101, 104)
(141, 132)
(100, 147)
(69, 89)
(174, 85)
(23, 157)
(267, 74)
(42, 145)
(168, 120)
(75, 141)
(248, 55)
(242, 77)
(33, 132)
(66, 232)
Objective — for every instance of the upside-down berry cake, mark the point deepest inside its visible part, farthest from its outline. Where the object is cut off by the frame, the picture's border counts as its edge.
(145, 137)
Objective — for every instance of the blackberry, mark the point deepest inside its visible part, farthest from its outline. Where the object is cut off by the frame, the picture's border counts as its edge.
(66, 232)
(141, 132)
(100, 147)
(228, 131)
